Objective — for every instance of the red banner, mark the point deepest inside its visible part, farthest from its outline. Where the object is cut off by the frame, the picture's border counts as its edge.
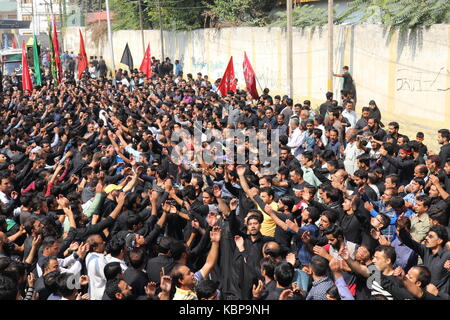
(26, 79)
(228, 81)
(82, 57)
(250, 79)
(56, 50)
(146, 65)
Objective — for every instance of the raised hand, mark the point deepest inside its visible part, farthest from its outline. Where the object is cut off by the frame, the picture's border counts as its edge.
(165, 283)
(121, 198)
(368, 206)
(215, 234)
(320, 251)
(290, 257)
(240, 170)
(212, 219)
(74, 246)
(154, 196)
(239, 242)
(233, 204)
(37, 240)
(62, 201)
(399, 272)
(150, 289)
(83, 250)
(335, 265)
(306, 237)
(217, 191)
(258, 290)
(293, 225)
(447, 265)
(375, 234)
(345, 253)
(31, 279)
(401, 221)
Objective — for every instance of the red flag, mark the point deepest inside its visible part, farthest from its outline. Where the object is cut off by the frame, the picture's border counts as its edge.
(56, 49)
(250, 79)
(26, 79)
(14, 46)
(228, 81)
(82, 58)
(146, 65)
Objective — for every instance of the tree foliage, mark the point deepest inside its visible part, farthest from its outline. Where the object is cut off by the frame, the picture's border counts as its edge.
(241, 12)
(193, 14)
(402, 13)
(126, 15)
(176, 14)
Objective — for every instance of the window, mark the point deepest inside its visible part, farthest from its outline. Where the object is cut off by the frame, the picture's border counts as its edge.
(26, 17)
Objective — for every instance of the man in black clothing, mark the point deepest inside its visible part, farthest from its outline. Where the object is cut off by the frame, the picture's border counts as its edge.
(327, 105)
(162, 263)
(248, 249)
(134, 275)
(404, 163)
(102, 68)
(349, 85)
(392, 133)
(433, 252)
(444, 140)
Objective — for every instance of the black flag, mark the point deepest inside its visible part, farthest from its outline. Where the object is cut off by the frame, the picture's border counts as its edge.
(127, 58)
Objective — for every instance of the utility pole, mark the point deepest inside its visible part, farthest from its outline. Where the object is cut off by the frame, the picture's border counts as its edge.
(330, 45)
(289, 49)
(161, 29)
(110, 38)
(142, 26)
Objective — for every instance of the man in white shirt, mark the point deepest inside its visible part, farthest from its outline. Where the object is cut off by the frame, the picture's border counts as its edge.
(95, 263)
(350, 114)
(295, 137)
(5, 190)
(351, 152)
(117, 248)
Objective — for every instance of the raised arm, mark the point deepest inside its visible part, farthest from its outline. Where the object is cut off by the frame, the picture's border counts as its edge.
(213, 254)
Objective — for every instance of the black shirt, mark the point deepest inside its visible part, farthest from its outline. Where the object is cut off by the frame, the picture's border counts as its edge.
(440, 277)
(155, 265)
(137, 279)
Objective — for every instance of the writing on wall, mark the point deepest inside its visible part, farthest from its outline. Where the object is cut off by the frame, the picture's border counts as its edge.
(422, 81)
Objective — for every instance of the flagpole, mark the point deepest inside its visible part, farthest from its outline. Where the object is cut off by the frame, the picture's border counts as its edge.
(110, 39)
(257, 81)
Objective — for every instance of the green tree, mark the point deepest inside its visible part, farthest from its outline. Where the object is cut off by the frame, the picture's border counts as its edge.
(176, 14)
(402, 14)
(305, 16)
(240, 12)
(126, 15)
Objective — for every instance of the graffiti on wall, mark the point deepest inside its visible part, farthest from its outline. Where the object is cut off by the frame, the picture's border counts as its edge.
(422, 81)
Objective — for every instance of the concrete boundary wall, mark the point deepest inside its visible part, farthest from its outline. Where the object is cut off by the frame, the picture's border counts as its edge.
(407, 75)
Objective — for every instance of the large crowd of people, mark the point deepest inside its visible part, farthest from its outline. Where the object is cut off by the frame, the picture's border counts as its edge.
(94, 205)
